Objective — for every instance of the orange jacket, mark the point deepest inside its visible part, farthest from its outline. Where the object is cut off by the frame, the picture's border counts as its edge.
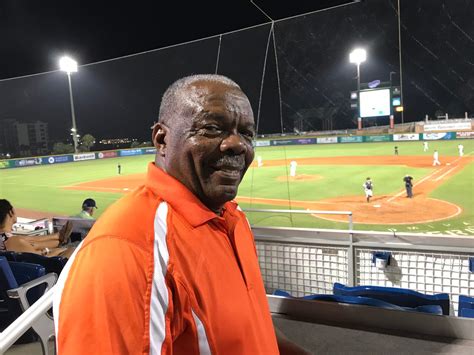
(160, 273)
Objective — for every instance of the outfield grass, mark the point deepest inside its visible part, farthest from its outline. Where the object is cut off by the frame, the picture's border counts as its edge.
(40, 188)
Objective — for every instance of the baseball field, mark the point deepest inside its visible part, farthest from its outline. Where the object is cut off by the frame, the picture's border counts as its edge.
(328, 177)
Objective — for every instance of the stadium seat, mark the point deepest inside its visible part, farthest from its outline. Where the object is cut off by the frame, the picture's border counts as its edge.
(80, 226)
(50, 263)
(397, 296)
(21, 284)
(9, 255)
(365, 301)
(466, 306)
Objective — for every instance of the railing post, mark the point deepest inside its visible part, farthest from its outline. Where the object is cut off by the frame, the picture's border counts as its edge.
(351, 256)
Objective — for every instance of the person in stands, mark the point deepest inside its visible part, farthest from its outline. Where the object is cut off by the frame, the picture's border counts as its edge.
(49, 245)
(87, 210)
(171, 268)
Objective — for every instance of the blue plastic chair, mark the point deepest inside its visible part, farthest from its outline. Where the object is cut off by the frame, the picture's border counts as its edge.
(366, 301)
(51, 263)
(10, 255)
(399, 296)
(21, 284)
(466, 306)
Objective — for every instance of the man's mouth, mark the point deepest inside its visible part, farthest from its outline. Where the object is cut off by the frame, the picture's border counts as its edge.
(230, 167)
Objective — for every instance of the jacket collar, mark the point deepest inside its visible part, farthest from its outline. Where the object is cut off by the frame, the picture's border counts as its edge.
(180, 198)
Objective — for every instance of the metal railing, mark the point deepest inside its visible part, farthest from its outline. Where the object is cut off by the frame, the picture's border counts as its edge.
(306, 261)
(351, 259)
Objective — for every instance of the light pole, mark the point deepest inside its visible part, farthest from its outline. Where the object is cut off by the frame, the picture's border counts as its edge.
(391, 82)
(358, 56)
(69, 66)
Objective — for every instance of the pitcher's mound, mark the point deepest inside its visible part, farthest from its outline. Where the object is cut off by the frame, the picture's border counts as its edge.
(299, 177)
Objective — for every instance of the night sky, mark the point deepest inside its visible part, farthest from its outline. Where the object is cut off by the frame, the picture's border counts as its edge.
(120, 98)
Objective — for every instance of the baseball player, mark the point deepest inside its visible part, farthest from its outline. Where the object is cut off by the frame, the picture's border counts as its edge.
(368, 188)
(293, 165)
(425, 146)
(461, 150)
(259, 161)
(436, 158)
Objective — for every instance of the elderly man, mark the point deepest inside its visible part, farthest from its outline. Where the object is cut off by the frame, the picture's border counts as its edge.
(171, 267)
(87, 209)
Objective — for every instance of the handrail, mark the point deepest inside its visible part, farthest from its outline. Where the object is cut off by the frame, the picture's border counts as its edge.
(25, 320)
(351, 257)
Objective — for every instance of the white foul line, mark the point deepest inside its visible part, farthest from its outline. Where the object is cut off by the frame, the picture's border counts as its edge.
(446, 173)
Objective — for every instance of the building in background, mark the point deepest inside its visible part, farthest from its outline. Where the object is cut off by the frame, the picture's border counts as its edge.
(21, 139)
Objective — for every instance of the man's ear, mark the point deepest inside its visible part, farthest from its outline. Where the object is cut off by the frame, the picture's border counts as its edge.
(158, 137)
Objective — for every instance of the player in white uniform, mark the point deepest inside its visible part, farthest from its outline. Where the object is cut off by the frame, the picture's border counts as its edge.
(293, 165)
(436, 158)
(368, 188)
(425, 146)
(259, 161)
(461, 150)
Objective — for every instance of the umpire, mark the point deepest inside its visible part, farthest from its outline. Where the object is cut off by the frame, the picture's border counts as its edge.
(408, 185)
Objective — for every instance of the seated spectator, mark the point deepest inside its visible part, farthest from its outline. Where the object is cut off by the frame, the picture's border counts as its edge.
(49, 245)
(87, 209)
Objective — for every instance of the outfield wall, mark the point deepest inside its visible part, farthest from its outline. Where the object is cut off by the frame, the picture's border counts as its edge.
(71, 158)
(403, 137)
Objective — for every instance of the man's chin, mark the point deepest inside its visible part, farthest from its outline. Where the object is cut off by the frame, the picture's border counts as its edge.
(219, 195)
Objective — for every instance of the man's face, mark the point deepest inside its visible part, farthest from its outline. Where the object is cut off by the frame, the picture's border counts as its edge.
(209, 146)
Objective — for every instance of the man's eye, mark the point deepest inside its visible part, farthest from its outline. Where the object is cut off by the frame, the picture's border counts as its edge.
(248, 134)
(212, 129)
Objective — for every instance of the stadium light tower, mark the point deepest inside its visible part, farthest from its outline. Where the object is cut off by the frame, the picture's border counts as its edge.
(358, 56)
(69, 66)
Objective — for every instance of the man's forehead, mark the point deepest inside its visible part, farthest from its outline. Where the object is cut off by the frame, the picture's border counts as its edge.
(215, 97)
(210, 91)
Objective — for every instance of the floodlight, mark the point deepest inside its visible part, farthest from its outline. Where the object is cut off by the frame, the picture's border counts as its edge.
(68, 65)
(358, 56)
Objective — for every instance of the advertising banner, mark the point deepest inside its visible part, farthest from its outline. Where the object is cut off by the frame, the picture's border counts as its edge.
(149, 151)
(406, 137)
(4, 164)
(379, 138)
(325, 140)
(57, 159)
(26, 162)
(107, 154)
(84, 156)
(283, 142)
(351, 139)
(306, 141)
(464, 135)
(262, 143)
(130, 152)
(438, 136)
(448, 126)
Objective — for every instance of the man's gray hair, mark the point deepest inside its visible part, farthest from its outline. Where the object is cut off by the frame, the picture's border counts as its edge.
(172, 100)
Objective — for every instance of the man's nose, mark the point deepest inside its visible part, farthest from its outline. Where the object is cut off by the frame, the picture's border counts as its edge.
(233, 143)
